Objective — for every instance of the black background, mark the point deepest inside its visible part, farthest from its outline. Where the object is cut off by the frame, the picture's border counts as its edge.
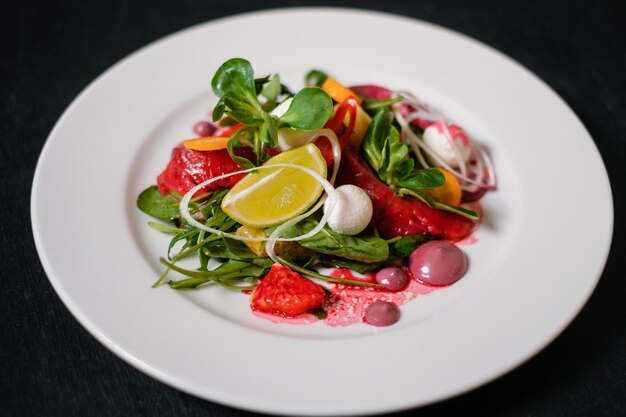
(50, 51)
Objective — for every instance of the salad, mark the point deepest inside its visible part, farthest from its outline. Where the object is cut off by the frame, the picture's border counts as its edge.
(332, 203)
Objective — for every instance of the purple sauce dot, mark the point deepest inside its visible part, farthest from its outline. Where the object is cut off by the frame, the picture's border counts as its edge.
(438, 263)
(203, 129)
(382, 313)
(392, 278)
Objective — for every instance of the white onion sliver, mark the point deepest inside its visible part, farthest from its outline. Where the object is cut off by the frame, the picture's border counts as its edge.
(184, 204)
(275, 235)
(421, 114)
(334, 142)
(418, 145)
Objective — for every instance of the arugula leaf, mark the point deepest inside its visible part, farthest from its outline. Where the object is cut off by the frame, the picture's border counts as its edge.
(163, 228)
(357, 266)
(231, 269)
(315, 274)
(358, 248)
(399, 248)
(186, 235)
(157, 205)
(229, 249)
(309, 109)
(428, 200)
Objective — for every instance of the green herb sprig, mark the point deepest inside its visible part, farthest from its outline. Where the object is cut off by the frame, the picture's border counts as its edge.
(234, 83)
(389, 157)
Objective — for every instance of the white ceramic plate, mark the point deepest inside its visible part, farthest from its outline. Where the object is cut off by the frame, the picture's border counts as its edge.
(531, 272)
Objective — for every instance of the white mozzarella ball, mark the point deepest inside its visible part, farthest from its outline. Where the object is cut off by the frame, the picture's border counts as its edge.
(352, 210)
(450, 146)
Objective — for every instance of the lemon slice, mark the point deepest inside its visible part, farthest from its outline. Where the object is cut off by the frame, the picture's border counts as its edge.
(272, 196)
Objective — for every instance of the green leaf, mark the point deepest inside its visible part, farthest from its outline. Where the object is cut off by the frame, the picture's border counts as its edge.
(420, 195)
(390, 158)
(320, 313)
(384, 150)
(157, 205)
(315, 274)
(425, 178)
(470, 214)
(405, 168)
(374, 139)
(309, 109)
(315, 78)
(234, 84)
(242, 110)
(229, 249)
(259, 83)
(356, 266)
(396, 153)
(369, 104)
(203, 258)
(272, 89)
(163, 228)
(242, 137)
(227, 271)
(404, 246)
(234, 76)
(218, 110)
(227, 122)
(268, 132)
(428, 200)
(359, 248)
(188, 236)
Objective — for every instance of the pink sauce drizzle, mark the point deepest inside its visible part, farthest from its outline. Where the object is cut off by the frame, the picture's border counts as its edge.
(346, 305)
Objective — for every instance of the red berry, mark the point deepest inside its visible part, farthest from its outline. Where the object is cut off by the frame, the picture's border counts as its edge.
(203, 129)
(285, 293)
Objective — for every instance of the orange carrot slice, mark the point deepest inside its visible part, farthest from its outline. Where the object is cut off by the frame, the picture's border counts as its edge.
(338, 92)
(449, 193)
(211, 143)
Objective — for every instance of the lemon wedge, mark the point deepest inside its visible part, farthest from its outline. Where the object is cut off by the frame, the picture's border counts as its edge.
(272, 196)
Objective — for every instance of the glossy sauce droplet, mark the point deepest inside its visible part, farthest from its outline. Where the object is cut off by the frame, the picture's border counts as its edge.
(438, 263)
(382, 313)
(392, 278)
